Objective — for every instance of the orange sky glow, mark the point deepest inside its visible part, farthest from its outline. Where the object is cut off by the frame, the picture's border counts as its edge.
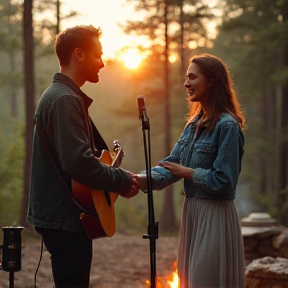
(106, 14)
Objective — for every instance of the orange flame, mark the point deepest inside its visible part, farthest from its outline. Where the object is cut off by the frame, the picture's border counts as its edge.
(171, 281)
(175, 282)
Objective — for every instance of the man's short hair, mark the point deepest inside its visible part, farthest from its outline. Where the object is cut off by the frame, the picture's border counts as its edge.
(75, 37)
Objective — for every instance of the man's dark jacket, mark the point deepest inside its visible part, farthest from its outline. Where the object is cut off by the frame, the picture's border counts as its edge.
(68, 148)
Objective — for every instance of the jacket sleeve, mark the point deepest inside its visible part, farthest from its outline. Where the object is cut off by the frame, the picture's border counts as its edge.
(68, 131)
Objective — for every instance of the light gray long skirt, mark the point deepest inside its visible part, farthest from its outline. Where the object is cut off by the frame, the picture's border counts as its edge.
(211, 252)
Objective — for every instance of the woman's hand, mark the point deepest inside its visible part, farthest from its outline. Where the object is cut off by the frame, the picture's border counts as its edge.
(177, 170)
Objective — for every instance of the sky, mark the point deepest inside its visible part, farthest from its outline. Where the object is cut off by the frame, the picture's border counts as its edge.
(105, 14)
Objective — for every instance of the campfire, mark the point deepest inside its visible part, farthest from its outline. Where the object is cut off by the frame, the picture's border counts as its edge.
(170, 281)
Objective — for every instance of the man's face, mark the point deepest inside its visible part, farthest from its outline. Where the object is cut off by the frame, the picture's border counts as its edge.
(92, 61)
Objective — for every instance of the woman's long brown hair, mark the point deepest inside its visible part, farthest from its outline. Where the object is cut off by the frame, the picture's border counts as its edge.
(222, 97)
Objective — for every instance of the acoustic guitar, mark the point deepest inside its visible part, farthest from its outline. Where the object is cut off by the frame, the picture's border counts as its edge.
(97, 207)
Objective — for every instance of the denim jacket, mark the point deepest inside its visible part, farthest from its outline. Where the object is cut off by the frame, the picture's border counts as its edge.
(74, 144)
(215, 157)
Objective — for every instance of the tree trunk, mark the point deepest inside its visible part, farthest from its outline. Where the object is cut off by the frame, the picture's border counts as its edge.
(283, 157)
(263, 159)
(271, 136)
(29, 103)
(168, 221)
(58, 17)
(182, 67)
(283, 142)
(12, 85)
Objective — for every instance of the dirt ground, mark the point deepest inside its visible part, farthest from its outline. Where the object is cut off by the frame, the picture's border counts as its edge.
(118, 262)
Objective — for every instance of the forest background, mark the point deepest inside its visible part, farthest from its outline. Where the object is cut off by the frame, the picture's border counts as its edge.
(251, 36)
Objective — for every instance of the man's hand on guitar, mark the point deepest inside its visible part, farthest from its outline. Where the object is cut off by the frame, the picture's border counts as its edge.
(131, 191)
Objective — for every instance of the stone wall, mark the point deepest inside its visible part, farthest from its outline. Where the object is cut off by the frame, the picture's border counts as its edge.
(266, 252)
(273, 242)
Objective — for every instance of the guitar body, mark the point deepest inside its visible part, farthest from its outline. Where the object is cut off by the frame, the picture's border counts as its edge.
(99, 219)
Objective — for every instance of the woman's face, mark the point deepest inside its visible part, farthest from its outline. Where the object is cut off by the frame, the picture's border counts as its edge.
(197, 85)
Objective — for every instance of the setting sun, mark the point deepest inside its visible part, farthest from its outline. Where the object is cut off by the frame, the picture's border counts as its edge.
(132, 58)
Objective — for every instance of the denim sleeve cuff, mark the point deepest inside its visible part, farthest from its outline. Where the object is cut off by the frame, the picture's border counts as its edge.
(160, 177)
(199, 177)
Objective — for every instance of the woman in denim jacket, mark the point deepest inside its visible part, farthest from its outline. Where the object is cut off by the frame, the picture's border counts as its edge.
(208, 156)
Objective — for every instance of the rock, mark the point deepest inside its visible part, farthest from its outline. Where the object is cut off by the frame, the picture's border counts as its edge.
(267, 272)
(263, 236)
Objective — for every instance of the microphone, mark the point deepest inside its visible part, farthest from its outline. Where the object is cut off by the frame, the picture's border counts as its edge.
(143, 113)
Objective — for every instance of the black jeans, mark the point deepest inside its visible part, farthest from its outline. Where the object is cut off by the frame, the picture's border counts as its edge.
(71, 256)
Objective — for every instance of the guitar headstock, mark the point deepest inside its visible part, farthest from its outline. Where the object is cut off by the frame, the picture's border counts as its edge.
(116, 146)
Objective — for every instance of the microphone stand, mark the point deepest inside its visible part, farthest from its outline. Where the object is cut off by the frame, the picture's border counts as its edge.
(152, 228)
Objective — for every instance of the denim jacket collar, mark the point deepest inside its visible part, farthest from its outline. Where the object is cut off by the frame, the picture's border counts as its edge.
(59, 77)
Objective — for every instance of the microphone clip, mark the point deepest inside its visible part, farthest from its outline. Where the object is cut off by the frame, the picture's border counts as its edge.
(143, 113)
(145, 120)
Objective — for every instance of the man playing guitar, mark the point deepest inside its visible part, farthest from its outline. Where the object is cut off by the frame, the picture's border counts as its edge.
(67, 147)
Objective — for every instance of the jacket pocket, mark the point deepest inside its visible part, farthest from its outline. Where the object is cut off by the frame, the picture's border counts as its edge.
(205, 155)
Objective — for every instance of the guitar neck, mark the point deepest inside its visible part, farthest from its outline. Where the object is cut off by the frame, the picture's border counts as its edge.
(120, 151)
